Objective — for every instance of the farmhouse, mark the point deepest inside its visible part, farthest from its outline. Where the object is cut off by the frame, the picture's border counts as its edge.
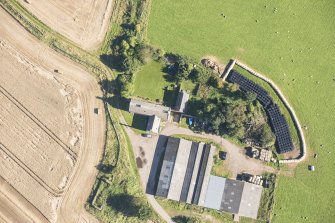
(182, 100)
(149, 109)
(185, 177)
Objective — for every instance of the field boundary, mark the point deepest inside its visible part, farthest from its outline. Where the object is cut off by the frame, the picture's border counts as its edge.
(297, 124)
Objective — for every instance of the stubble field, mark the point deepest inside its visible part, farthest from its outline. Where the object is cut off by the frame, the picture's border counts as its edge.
(84, 22)
(49, 134)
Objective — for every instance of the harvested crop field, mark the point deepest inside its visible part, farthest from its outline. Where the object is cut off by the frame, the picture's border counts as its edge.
(49, 134)
(84, 22)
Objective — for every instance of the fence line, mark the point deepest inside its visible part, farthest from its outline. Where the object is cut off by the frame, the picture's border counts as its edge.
(227, 71)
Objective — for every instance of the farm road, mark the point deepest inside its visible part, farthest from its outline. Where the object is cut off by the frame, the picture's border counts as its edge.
(236, 162)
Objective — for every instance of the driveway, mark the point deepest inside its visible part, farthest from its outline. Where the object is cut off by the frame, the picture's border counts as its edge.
(236, 162)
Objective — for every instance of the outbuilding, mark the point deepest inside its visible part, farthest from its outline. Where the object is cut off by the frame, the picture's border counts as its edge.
(182, 100)
(154, 123)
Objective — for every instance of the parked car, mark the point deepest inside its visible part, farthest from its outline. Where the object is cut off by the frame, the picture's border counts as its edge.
(147, 135)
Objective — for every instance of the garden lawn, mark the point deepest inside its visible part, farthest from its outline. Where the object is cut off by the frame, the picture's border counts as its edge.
(150, 82)
(284, 40)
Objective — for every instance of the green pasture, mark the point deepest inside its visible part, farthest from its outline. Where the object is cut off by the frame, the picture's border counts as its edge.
(291, 42)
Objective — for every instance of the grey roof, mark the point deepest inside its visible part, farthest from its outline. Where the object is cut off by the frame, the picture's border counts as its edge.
(179, 169)
(154, 124)
(232, 196)
(206, 176)
(250, 201)
(182, 100)
(214, 193)
(167, 167)
(149, 109)
(185, 176)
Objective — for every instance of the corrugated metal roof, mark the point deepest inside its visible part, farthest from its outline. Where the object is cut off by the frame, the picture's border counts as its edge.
(179, 169)
(250, 201)
(232, 196)
(206, 176)
(195, 173)
(214, 193)
(167, 167)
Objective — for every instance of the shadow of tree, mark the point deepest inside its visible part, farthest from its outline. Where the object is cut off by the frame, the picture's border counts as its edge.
(129, 206)
(105, 168)
(125, 204)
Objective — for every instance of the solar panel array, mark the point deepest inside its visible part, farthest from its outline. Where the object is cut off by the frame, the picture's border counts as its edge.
(248, 85)
(278, 121)
(280, 128)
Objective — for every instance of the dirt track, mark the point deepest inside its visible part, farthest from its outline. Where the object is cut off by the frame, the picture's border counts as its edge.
(50, 138)
(83, 21)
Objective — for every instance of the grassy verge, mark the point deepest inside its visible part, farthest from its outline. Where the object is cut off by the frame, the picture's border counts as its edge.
(206, 215)
(266, 207)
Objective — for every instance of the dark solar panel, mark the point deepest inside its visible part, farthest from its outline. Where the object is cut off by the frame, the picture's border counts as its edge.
(189, 171)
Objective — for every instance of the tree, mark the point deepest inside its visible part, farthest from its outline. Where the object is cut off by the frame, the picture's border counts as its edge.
(201, 74)
(126, 84)
(233, 87)
(185, 219)
(267, 137)
(143, 52)
(184, 67)
(214, 81)
(250, 96)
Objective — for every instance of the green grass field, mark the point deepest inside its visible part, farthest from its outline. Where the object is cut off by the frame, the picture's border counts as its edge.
(283, 40)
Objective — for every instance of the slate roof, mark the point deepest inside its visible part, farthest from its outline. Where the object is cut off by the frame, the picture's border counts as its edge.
(149, 109)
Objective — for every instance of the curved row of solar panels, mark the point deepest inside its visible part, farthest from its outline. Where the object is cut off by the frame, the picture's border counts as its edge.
(185, 177)
(278, 121)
